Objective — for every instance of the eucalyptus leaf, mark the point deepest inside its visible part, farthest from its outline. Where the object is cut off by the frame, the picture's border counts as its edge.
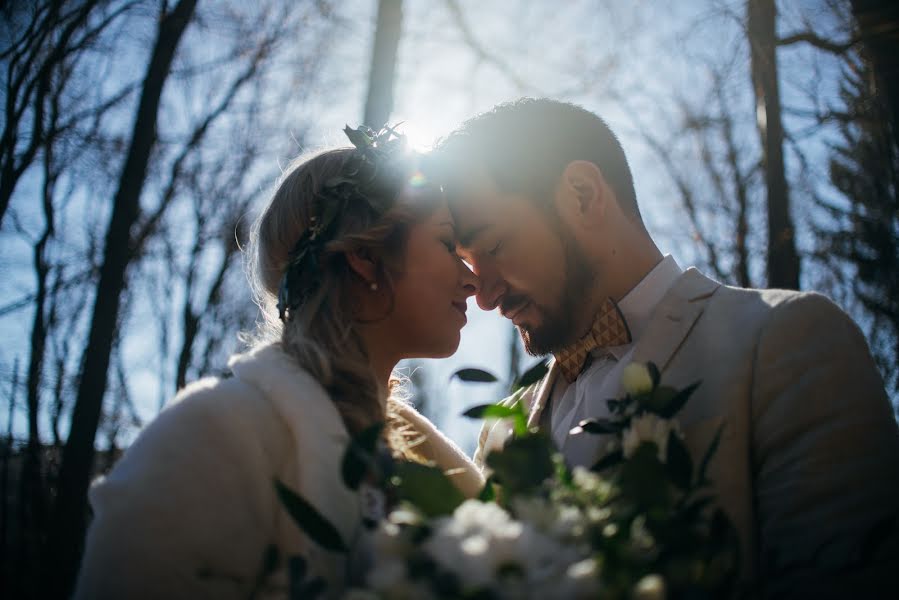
(675, 404)
(316, 526)
(472, 375)
(532, 375)
(707, 457)
(428, 488)
(490, 411)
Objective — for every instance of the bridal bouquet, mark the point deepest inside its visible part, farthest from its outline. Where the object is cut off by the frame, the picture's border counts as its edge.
(640, 523)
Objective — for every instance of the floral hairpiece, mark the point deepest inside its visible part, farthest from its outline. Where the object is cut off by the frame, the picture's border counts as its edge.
(372, 175)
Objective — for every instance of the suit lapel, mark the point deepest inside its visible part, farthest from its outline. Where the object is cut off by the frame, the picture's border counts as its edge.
(674, 317)
(541, 395)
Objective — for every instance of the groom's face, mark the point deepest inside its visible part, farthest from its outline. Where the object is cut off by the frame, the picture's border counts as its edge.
(528, 265)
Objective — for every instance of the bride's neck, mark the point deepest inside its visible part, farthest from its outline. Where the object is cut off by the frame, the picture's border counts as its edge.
(382, 361)
(383, 369)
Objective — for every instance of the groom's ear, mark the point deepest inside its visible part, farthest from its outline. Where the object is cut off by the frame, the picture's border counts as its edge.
(582, 196)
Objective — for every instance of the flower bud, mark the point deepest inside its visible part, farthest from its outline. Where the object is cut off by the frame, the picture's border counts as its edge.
(636, 379)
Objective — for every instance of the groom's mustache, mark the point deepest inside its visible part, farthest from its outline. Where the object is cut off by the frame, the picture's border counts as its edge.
(509, 305)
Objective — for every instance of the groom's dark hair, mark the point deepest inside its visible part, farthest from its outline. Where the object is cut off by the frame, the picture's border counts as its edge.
(525, 146)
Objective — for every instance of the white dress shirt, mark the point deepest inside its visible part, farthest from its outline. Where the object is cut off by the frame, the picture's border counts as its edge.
(586, 397)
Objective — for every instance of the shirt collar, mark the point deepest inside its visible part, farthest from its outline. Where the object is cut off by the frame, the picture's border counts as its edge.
(638, 304)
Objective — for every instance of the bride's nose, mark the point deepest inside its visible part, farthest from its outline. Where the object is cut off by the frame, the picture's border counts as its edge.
(470, 282)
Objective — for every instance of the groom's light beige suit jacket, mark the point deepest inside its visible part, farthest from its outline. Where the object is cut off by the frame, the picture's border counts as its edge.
(809, 455)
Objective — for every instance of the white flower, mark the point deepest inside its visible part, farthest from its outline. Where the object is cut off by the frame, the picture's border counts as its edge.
(535, 510)
(480, 541)
(388, 541)
(582, 579)
(635, 379)
(649, 428)
(651, 587)
(585, 479)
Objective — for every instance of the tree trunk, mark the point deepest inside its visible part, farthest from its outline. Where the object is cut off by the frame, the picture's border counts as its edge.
(783, 260)
(878, 24)
(379, 103)
(65, 540)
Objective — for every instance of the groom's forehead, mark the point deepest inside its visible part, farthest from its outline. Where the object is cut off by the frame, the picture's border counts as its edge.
(475, 202)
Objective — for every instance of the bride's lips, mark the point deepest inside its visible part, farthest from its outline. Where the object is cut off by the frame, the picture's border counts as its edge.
(461, 307)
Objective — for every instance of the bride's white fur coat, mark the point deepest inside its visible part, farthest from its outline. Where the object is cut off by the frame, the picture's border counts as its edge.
(190, 509)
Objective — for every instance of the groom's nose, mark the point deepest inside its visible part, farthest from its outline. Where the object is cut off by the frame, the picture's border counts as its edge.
(490, 292)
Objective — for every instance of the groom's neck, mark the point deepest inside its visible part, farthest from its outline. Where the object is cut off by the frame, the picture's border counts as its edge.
(627, 261)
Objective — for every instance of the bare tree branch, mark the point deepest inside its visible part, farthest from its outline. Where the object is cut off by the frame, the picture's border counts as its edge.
(813, 39)
(481, 51)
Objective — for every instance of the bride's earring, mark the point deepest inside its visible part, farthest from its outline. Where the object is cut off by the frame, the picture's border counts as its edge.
(373, 286)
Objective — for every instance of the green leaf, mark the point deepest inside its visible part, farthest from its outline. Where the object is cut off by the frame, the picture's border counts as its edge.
(676, 403)
(491, 411)
(680, 463)
(707, 457)
(358, 137)
(609, 460)
(597, 427)
(488, 493)
(693, 510)
(654, 374)
(523, 464)
(643, 479)
(656, 400)
(474, 376)
(358, 459)
(428, 488)
(532, 375)
(316, 526)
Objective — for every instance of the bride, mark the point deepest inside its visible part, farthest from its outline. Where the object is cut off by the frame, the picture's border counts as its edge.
(354, 267)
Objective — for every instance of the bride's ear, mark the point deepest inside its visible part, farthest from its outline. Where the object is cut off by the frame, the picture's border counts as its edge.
(364, 265)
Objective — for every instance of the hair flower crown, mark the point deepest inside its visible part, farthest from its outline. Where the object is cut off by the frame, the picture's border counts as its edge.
(374, 174)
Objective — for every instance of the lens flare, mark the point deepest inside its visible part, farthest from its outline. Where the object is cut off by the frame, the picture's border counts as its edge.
(418, 179)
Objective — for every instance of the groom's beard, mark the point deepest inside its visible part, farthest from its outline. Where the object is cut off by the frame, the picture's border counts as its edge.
(557, 328)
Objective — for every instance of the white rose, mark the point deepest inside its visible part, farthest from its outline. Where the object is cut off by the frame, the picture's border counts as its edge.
(649, 428)
(635, 379)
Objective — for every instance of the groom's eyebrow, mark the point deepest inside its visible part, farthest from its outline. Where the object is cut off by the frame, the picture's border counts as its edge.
(469, 237)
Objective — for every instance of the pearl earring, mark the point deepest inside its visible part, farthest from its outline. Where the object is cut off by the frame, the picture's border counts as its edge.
(373, 286)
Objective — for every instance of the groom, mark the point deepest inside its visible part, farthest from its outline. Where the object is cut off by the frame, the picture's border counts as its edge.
(808, 463)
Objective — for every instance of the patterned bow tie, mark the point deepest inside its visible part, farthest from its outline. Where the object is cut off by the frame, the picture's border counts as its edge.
(609, 329)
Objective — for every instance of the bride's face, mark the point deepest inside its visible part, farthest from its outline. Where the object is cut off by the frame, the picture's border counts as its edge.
(430, 295)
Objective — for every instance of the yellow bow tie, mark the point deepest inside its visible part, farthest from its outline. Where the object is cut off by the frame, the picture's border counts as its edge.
(609, 329)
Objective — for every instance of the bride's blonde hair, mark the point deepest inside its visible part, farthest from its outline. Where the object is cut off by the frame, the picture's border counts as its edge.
(320, 333)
